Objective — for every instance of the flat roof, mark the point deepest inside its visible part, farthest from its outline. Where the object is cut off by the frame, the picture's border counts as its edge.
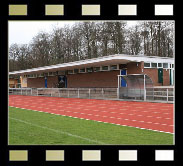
(105, 60)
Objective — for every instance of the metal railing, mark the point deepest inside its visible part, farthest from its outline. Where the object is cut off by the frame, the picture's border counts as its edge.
(20, 91)
(165, 94)
(162, 94)
(93, 93)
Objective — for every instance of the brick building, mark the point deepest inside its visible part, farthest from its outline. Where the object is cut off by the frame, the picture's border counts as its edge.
(99, 72)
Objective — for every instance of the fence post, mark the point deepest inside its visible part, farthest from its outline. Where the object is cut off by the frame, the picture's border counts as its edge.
(21, 91)
(68, 93)
(31, 91)
(89, 93)
(37, 91)
(78, 93)
(144, 87)
(167, 94)
(103, 93)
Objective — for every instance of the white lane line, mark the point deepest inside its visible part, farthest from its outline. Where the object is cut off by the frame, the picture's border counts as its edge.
(58, 131)
(167, 118)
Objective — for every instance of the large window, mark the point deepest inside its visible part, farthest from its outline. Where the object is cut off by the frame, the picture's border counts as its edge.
(70, 71)
(113, 67)
(50, 73)
(45, 74)
(89, 70)
(154, 65)
(160, 65)
(165, 65)
(30, 76)
(147, 64)
(104, 68)
(96, 69)
(41, 75)
(76, 71)
(82, 70)
(35, 75)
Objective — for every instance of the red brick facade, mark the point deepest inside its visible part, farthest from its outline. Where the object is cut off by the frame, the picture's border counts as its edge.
(132, 68)
(40, 82)
(104, 79)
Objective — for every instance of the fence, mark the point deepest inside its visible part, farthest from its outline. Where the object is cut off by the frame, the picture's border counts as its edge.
(93, 93)
(165, 94)
(161, 94)
(20, 91)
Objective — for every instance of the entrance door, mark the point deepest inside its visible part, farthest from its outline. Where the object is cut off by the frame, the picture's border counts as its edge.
(45, 82)
(160, 76)
(123, 82)
(62, 81)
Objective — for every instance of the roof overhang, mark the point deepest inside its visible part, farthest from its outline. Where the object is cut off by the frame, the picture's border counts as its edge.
(106, 60)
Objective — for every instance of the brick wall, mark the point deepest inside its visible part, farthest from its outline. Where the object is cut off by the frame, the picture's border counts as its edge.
(153, 74)
(132, 68)
(40, 82)
(95, 79)
(166, 77)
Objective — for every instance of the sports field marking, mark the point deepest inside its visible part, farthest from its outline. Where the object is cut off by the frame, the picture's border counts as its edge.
(57, 131)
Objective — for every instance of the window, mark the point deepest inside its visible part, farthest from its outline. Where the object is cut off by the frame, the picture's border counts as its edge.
(45, 74)
(76, 71)
(61, 72)
(113, 67)
(82, 70)
(159, 65)
(165, 65)
(147, 65)
(70, 71)
(154, 65)
(50, 73)
(54, 73)
(42, 74)
(34, 75)
(104, 68)
(89, 70)
(172, 65)
(96, 69)
(30, 76)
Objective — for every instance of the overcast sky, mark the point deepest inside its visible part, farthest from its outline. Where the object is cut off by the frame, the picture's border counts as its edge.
(22, 32)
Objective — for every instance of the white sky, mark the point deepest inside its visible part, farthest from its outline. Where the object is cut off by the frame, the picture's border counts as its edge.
(22, 32)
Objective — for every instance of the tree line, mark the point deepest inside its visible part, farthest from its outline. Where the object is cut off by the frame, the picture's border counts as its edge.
(85, 40)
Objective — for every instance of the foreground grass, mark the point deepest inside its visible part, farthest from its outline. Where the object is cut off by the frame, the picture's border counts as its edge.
(28, 127)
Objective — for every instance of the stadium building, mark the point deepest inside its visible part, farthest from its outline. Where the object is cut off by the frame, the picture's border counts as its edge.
(99, 72)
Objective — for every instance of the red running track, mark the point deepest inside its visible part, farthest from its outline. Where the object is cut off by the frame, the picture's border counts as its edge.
(153, 116)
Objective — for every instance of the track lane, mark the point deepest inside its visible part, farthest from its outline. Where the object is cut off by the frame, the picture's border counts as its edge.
(154, 116)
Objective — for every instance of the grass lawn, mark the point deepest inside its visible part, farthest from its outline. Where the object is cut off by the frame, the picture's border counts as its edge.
(27, 127)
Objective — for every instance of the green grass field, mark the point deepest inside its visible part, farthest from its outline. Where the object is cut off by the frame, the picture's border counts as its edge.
(28, 127)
